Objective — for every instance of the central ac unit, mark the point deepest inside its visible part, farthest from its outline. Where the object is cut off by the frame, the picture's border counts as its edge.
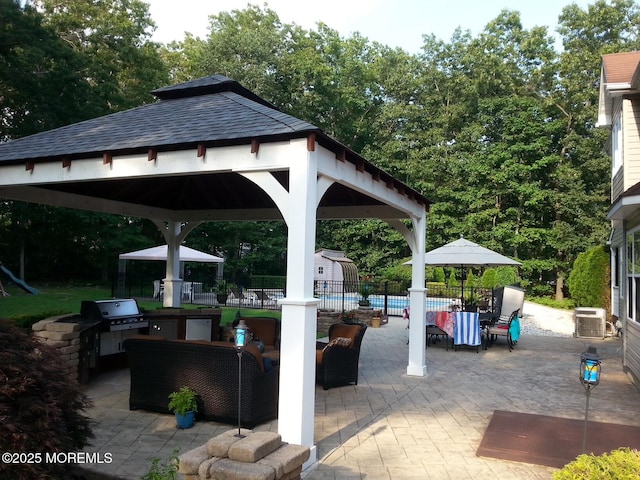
(590, 322)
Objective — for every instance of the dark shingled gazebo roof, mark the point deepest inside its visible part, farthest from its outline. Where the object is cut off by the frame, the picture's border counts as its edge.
(213, 111)
(182, 119)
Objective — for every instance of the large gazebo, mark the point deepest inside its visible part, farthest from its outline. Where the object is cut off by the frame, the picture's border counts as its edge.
(212, 150)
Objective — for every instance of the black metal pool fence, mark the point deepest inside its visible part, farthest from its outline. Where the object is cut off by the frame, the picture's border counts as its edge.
(263, 292)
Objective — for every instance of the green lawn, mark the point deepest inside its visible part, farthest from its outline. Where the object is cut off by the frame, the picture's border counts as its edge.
(26, 308)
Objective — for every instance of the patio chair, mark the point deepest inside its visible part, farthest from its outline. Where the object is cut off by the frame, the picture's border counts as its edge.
(337, 360)
(157, 289)
(510, 330)
(237, 296)
(187, 290)
(507, 299)
(466, 330)
(264, 299)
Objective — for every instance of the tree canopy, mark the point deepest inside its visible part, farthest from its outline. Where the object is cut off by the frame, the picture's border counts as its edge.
(497, 129)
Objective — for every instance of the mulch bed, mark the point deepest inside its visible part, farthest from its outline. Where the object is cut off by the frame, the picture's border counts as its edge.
(551, 441)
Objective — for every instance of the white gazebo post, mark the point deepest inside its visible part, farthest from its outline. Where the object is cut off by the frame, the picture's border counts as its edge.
(299, 309)
(417, 297)
(172, 282)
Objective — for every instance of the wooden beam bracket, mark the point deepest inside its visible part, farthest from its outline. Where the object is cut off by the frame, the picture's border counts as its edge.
(202, 150)
(311, 143)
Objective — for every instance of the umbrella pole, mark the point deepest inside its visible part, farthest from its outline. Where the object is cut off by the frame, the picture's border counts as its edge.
(462, 291)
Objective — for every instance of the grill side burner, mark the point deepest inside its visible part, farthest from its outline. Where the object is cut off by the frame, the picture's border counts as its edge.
(113, 315)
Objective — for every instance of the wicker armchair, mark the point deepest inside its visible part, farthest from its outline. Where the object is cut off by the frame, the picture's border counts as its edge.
(337, 360)
(159, 367)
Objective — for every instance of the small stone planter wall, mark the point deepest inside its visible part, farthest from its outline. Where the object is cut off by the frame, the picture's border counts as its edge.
(362, 315)
(256, 456)
(65, 337)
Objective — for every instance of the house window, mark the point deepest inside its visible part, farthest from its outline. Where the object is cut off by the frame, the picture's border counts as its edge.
(615, 268)
(633, 275)
(616, 145)
(320, 270)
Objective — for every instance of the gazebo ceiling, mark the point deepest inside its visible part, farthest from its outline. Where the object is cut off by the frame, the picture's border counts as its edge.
(197, 118)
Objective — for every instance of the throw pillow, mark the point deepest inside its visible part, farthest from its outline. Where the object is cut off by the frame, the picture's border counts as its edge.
(339, 341)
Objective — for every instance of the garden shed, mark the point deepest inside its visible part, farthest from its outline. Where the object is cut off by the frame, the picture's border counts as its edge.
(334, 271)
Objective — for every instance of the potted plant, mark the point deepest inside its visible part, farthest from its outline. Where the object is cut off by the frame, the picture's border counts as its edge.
(222, 293)
(184, 405)
(365, 291)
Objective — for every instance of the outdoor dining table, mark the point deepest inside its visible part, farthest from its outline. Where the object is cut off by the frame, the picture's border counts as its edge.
(464, 328)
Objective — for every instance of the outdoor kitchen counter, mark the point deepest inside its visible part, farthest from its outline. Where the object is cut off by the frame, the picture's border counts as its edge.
(184, 324)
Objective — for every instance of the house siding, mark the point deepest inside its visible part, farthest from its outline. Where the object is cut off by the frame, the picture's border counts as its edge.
(631, 336)
(631, 141)
(617, 292)
(617, 182)
(631, 357)
(627, 109)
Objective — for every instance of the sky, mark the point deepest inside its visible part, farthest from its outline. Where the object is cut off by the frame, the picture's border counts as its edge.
(396, 23)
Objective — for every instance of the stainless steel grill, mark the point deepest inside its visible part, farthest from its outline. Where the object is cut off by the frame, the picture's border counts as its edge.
(113, 315)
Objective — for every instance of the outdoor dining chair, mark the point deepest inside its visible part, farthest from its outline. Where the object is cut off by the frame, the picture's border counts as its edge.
(510, 330)
(466, 330)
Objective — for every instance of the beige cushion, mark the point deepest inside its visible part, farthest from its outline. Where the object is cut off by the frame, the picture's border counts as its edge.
(340, 341)
(345, 331)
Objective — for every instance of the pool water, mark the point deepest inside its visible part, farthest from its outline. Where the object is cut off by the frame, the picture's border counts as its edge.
(377, 301)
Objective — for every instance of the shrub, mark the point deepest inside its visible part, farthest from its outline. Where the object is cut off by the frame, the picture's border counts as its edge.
(161, 470)
(620, 464)
(589, 279)
(436, 289)
(489, 278)
(40, 405)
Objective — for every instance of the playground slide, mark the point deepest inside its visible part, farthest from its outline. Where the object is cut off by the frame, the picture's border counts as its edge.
(17, 281)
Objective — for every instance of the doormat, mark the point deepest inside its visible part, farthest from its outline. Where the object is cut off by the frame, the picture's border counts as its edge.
(551, 441)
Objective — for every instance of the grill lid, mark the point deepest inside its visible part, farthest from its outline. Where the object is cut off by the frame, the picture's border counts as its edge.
(108, 310)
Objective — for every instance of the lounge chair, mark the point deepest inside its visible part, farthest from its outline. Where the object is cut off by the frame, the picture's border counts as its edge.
(235, 296)
(264, 299)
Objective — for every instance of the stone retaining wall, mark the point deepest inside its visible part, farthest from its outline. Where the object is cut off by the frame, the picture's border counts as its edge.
(65, 337)
(254, 456)
(362, 315)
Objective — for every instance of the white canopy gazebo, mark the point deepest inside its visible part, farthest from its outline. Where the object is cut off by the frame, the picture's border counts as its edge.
(161, 253)
(211, 150)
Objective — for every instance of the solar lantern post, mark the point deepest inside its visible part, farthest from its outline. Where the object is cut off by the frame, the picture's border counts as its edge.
(590, 367)
(241, 338)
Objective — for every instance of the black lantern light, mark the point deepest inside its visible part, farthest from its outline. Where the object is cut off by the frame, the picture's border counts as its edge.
(241, 338)
(590, 367)
(589, 377)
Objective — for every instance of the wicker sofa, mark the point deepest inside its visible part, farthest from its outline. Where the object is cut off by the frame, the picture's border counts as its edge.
(159, 367)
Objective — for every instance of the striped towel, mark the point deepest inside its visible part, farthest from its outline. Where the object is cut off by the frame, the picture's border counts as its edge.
(467, 329)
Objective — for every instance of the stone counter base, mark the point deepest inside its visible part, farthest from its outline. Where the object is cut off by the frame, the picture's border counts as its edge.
(65, 337)
(256, 456)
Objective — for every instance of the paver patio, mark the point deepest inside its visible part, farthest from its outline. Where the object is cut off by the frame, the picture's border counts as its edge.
(393, 426)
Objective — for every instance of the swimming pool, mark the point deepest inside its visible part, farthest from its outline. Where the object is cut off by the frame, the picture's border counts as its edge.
(395, 303)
